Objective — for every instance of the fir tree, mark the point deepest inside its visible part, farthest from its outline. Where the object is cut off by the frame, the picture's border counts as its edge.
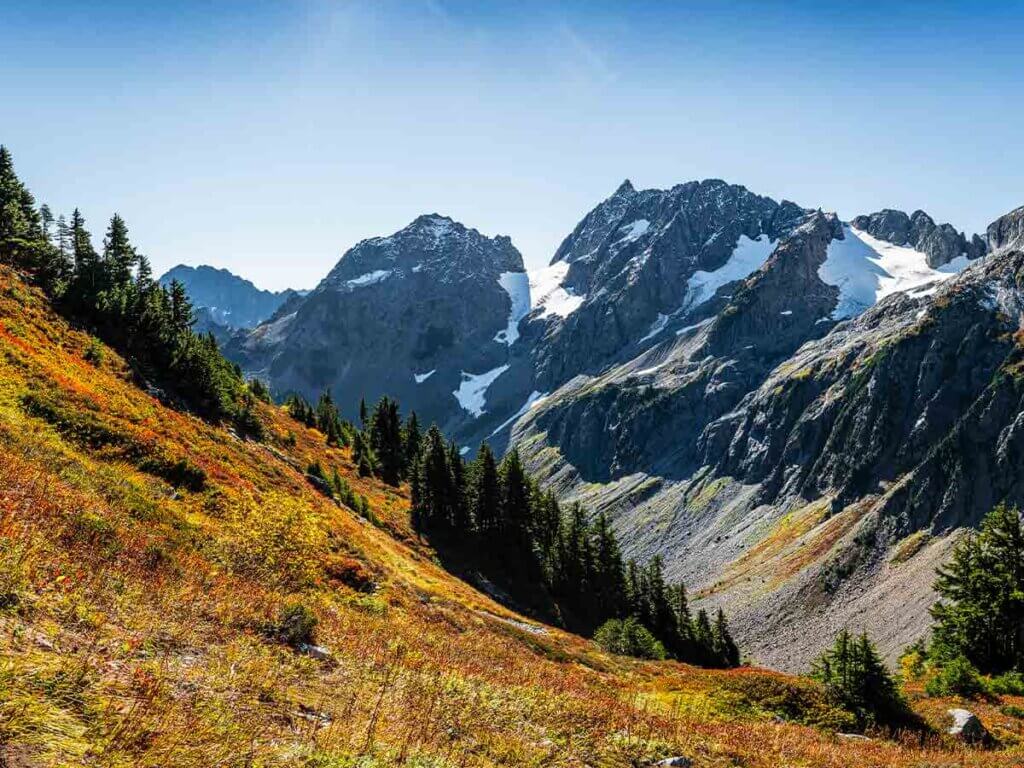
(412, 439)
(118, 253)
(726, 652)
(515, 501)
(485, 495)
(980, 615)
(855, 678)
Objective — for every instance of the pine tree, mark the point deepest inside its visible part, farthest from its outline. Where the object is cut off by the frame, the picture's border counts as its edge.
(726, 651)
(485, 495)
(855, 678)
(118, 253)
(515, 501)
(703, 639)
(412, 440)
(436, 483)
(181, 308)
(46, 221)
(385, 430)
(327, 420)
(981, 612)
(458, 507)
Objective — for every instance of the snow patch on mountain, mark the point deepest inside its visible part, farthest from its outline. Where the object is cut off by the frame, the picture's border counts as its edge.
(634, 230)
(370, 278)
(548, 294)
(421, 377)
(866, 270)
(747, 257)
(656, 327)
(472, 390)
(517, 286)
(534, 399)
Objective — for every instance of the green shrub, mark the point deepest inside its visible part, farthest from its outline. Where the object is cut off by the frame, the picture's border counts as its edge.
(1007, 684)
(93, 353)
(1011, 710)
(957, 677)
(628, 637)
(296, 625)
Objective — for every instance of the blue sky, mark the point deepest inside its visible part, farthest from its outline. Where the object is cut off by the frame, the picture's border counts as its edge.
(270, 137)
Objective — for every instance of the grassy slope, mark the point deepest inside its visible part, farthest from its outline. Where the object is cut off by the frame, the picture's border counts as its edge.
(132, 613)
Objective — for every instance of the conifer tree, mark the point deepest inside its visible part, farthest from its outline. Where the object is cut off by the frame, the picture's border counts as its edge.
(458, 508)
(515, 501)
(385, 430)
(855, 677)
(725, 649)
(411, 439)
(118, 253)
(435, 507)
(981, 611)
(485, 496)
(703, 640)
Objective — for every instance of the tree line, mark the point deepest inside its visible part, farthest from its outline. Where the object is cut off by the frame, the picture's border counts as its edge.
(112, 292)
(523, 536)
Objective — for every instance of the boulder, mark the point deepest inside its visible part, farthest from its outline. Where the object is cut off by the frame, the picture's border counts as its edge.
(967, 727)
(676, 762)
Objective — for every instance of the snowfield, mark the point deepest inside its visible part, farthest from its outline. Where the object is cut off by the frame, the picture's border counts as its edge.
(517, 286)
(472, 391)
(866, 270)
(370, 278)
(548, 294)
(747, 257)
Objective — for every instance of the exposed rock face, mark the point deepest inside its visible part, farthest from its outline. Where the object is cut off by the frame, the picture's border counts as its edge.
(229, 301)
(1007, 232)
(632, 258)
(940, 242)
(405, 315)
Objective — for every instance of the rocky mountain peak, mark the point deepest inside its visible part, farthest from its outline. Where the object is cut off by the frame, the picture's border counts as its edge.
(431, 244)
(941, 243)
(1007, 232)
(625, 188)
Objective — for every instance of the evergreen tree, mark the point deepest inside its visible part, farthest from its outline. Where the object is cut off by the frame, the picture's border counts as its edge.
(703, 640)
(181, 308)
(328, 421)
(436, 481)
(725, 649)
(981, 612)
(46, 221)
(118, 253)
(412, 439)
(515, 501)
(485, 495)
(855, 678)
(385, 429)
(458, 507)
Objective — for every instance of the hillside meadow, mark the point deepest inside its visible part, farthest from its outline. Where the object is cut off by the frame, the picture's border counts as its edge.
(149, 562)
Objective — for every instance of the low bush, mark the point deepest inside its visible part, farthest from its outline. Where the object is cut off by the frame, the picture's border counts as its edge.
(628, 637)
(956, 677)
(296, 625)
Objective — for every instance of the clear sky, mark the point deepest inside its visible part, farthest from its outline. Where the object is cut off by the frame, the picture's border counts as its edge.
(268, 138)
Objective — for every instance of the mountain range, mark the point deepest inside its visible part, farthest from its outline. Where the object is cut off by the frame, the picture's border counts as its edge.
(798, 413)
